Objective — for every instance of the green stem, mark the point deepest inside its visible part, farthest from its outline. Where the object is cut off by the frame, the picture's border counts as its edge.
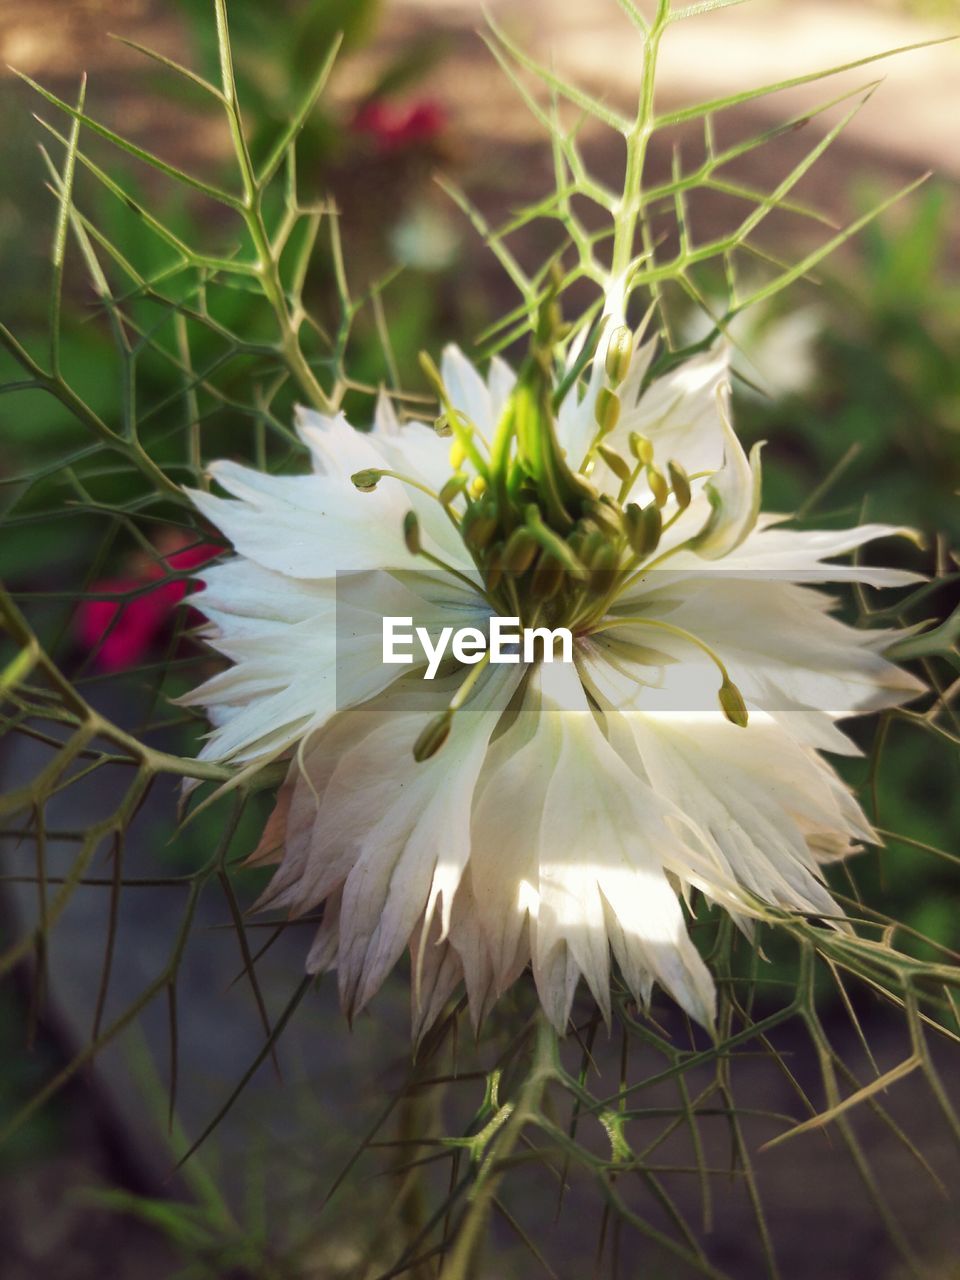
(267, 264)
(630, 208)
(459, 1263)
(62, 391)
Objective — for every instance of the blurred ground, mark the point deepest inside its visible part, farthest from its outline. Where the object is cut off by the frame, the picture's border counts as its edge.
(913, 119)
(911, 122)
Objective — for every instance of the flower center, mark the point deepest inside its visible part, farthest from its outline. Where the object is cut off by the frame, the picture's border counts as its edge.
(550, 548)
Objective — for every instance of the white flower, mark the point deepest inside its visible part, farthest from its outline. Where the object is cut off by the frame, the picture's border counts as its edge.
(551, 815)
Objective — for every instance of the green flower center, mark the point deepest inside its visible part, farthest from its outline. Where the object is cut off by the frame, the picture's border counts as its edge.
(551, 549)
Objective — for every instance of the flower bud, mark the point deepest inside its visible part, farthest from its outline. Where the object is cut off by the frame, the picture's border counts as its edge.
(644, 527)
(619, 466)
(606, 411)
(458, 455)
(452, 489)
(680, 484)
(641, 448)
(366, 481)
(478, 486)
(411, 533)
(619, 354)
(658, 486)
(432, 737)
(732, 703)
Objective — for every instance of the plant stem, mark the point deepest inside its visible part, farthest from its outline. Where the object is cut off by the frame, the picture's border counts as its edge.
(629, 209)
(267, 264)
(459, 1264)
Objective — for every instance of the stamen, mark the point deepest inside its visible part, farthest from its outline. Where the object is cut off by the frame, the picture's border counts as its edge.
(732, 704)
(641, 448)
(479, 525)
(411, 533)
(644, 527)
(432, 738)
(453, 488)
(606, 411)
(458, 423)
(520, 551)
(411, 536)
(366, 481)
(552, 544)
(619, 355)
(680, 484)
(658, 485)
(618, 465)
(731, 700)
(435, 734)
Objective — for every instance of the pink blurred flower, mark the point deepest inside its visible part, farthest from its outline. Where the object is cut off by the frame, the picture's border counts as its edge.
(392, 126)
(123, 632)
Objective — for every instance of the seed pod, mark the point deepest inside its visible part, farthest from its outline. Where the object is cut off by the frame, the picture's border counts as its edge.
(452, 489)
(433, 737)
(619, 354)
(411, 533)
(619, 466)
(606, 411)
(679, 483)
(442, 426)
(643, 528)
(366, 481)
(641, 448)
(732, 703)
(658, 486)
(520, 551)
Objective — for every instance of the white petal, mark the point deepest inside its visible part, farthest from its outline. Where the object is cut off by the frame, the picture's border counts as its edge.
(336, 448)
(600, 842)
(307, 526)
(679, 414)
(304, 650)
(782, 648)
(753, 796)
(394, 833)
(733, 492)
(796, 555)
(467, 390)
(500, 383)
